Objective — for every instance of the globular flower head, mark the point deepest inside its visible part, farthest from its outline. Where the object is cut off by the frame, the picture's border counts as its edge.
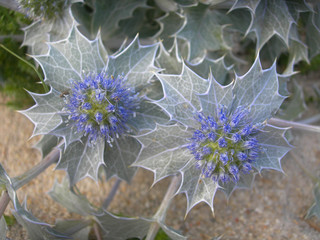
(224, 145)
(101, 106)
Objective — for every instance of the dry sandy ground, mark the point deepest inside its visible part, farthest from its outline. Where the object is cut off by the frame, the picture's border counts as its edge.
(273, 209)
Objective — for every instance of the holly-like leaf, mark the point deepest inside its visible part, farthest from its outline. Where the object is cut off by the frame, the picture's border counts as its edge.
(163, 152)
(197, 188)
(180, 91)
(104, 16)
(77, 229)
(42, 31)
(117, 228)
(169, 61)
(251, 5)
(217, 67)
(314, 210)
(147, 116)
(67, 130)
(135, 63)
(62, 194)
(45, 114)
(120, 156)
(36, 228)
(274, 147)
(69, 59)
(270, 18)
(261, 94)
(295, 105)
(313, 33)
(169, 30)
(82, 159)
(3, 229)
(203, 31)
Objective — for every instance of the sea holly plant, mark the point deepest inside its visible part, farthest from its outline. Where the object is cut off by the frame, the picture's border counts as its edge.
(192, 102)
(94, 106)
(222, 136)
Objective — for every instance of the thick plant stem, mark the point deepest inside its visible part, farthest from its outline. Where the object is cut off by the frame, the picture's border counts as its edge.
(160, 215)
(4, 201)
(111, 195)
(313, 119)
(295, 125)
(26, 177)
(97, 231)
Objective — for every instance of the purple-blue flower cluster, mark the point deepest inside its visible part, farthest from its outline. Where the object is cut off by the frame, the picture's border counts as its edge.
(225, 144)
(101, 106)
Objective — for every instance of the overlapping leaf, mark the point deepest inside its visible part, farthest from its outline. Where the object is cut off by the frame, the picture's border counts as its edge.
(69, 60)
(106, 16)
(113, 227)
(180, 91)
(45, 114)
(36, 228)
(203, 31)
(314, 210)
(3, 229)
(82, 159)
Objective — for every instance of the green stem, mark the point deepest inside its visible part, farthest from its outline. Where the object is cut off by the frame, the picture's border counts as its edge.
(162, 211)
(46, 89)
(296, 125)
(4, 201)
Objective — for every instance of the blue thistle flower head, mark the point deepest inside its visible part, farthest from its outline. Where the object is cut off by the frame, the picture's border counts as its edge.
(101, 105)
(225, 144)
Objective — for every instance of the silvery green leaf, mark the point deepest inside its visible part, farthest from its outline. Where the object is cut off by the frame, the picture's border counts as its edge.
(119, 158)
(45, 114)
(62, 194)
(135, 63)
(118, 228)
(3, 229)
(186, 3)
(162, 150)
(295, 105)
(167, 29)
(245, 182)
(46, 144)
(36, 229)
(167, 5)
(215, 97)
(169, 61)
(180, 91)
(203, 31)
(270, 18)
(258, 90)
(42, 31)
(104, 15)
(197, 188)
(70, 59)
(77, 229)
(313, 33)
(82, 159)
(174, 235)
(67, 130)
(314, 210)
(217, 67)
(296, 7)
(147, 116)
(273, 148)
(251, 5)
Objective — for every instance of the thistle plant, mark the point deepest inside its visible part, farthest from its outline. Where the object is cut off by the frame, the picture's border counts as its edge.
(188, 103)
